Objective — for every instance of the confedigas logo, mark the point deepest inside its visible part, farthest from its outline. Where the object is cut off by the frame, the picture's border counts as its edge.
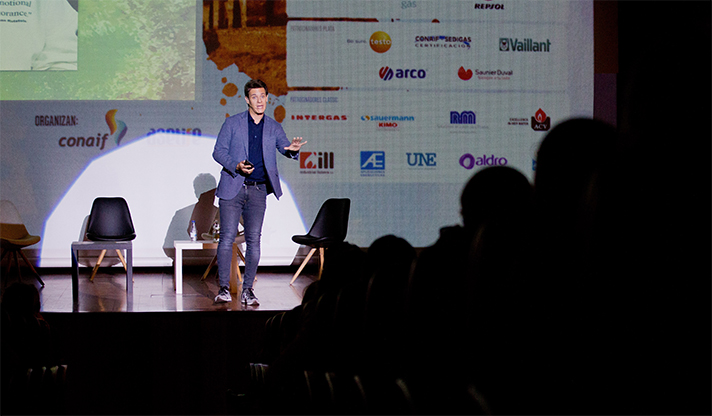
(439, 41)
(388, 74)
(318, 117)
(540, 121)
(524, 45)
(316, 161)
(465, 117)
(469, 161)
(380, 42)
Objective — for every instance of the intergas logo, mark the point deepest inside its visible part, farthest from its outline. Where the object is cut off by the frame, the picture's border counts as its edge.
(380, 42)
(387, 73)
(523, 45)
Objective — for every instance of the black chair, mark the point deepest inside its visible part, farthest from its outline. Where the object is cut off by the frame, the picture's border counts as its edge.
(329, 228)
(109, 227)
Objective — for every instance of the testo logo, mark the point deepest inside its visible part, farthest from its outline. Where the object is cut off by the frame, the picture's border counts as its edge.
(380, 42)
(388, 74)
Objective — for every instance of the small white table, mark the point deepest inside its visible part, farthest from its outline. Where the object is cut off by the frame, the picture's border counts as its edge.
(181, 245)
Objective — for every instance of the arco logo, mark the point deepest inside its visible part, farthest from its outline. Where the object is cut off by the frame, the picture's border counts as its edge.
(380, 42)
(388, 74)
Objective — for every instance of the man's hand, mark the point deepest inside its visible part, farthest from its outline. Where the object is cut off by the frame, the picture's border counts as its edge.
(245, 167)
(296, 144)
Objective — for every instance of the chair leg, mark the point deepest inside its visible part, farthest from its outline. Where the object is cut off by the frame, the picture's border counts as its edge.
(321, 262)
(123, 261)
(210, 266)
(98, 263)
(236, 250)
(304, 263)
(37, 275)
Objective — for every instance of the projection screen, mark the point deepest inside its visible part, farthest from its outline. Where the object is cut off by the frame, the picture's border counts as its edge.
(401, 102)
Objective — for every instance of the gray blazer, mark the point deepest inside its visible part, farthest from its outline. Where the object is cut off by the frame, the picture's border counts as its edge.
(231, 148)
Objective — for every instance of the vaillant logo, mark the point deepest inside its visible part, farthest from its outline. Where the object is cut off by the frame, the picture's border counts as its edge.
(387, 73)
(523, 45)
(465, 117)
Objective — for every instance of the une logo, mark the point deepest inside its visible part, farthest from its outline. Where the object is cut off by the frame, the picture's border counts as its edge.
(464, 75)
(380, 42)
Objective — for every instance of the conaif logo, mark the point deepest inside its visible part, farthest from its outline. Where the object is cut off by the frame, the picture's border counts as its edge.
(117, 128)
(380, 42)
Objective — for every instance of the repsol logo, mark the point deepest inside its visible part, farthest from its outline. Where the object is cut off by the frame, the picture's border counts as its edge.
(469, 161)
(80, 141)
(485, 6)
(388, 74)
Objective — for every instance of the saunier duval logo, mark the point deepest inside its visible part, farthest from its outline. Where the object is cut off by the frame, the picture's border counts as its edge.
(540, 121)
(523, 45)
(441, 41)
(388, 74)
(316, 162)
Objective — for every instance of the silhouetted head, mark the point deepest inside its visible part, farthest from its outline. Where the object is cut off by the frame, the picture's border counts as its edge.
(496, 192)
(569, 157)
(389, 252)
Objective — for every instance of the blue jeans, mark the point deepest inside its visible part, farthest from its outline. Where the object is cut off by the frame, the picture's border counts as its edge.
(250, 203)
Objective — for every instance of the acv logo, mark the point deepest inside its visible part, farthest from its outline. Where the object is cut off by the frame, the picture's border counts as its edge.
(380, 42)
(388, 74)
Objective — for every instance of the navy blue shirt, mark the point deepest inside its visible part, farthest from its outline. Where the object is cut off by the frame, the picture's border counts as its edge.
(255, 149)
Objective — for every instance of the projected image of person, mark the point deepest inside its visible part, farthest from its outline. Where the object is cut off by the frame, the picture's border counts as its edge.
(38, 35)
(245, 148)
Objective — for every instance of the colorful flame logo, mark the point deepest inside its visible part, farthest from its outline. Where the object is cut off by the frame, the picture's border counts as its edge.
(117, 128)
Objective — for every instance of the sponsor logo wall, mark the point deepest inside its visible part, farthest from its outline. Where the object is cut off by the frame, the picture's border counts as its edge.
(388, 101)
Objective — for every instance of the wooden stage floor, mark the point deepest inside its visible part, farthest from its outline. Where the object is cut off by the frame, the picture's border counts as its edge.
(153, 290)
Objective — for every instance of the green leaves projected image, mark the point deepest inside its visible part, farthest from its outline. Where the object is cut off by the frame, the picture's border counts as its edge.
(128, 50)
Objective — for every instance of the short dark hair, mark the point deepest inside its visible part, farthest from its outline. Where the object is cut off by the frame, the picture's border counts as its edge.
(254, 84)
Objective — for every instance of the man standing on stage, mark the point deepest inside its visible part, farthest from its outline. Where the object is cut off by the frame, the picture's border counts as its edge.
(245, 147)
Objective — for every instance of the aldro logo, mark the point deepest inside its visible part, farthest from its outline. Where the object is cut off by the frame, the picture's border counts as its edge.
(380, 42)
(388, 74)
(316, 162)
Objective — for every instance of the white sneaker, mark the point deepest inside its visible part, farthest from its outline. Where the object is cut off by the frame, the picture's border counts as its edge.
(248, 297)
(223, 296)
